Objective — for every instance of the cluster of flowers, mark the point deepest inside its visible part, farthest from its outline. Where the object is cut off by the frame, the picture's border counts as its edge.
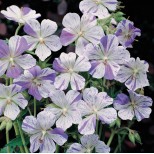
(100, 54)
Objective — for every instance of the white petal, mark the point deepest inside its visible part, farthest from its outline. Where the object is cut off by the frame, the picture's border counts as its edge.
(62, 81)
(73, 96)
(20, 100)
(101, 147)
(72, 21)
(53, 42)
(77, 81)
(12, 111)
(82, 64)
(2, 106)
(25, 61)
(126, 114)
(35, 142)
(46, 119)
(48, 27)
(42, 51)
(3, 66)
(107, 115)
(87, 126)
(76, 148)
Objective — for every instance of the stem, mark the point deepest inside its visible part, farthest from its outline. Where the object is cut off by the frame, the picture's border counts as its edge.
(57, 148)
(11, 81)
(22, 137)
(7, 141)
(17, 134)
(18, 28)
(97, 122)
(111, 138)
(123, 137)
(29, 111)
(6, 81)
(100, 130)
(34, 107)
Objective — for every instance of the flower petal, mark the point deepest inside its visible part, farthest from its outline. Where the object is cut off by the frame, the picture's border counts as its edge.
(30, 125)
(3, 66)
(62, 81)
(4, 49)
(77, 82)
(107, 115)
(73, 96)
(11, 111)
(53, 42)
(88, 125)
(101, 147)
(25, 61)
(20, 100)
(46, 119)
(42, 51)
(75, 148)
(58, 136)
(48, 27)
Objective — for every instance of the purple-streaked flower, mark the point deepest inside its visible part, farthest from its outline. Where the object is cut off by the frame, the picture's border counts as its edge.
(106, 58)
(68, 65)
(42, 136)
(20, 15)
(10, 101)
(64, 107)
(89, 144)
(98, 7)
(95, 107)
(82, 31)
(136, 105)
(11, 59)
(41, 37)
(126, 33)
(134, 74)
(39, 82)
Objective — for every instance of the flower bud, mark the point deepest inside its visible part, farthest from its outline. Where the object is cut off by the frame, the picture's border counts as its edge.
(137, 137)
(3, 125)
(8, 126)
(131, 137)
(118, 122)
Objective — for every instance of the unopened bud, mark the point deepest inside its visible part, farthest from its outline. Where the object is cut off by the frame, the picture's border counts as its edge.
(137, 137)
(131, 137)
(118, 122)
(3, 125)
(8, 126)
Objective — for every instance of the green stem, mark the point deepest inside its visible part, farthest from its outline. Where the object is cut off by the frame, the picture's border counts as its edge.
(100, 130)
(123, 137)
(111, 138)
(6, 81)
(18, 28)
(34, 107)
(17, 134)
(11, 81)
(22, 137)
(97, 124)
(29, 111)
(57, 148)
(7, 141)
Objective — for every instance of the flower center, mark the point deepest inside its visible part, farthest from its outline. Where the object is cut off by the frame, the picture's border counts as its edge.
(133, 104)
(41, 40)
(88, 150)
(97, 1)
(95, 110)
(80, 33)
(8, 101)
(135, 72)
(71, 70)
(64, 111)
(43, 134)
(36, 82)
(105, 59)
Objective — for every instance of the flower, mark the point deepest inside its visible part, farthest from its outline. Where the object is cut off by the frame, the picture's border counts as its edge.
(82, 31)
(137, 105)
(20, 15)
(133, 73)
(94, 108)
(38, 82)
(107, 58)
(42, 136)
(11, 58)
(42, 38)
(98, 7)
(64, 107)
(89, 143)
(126, 33)
(69, 66)
(10, 101)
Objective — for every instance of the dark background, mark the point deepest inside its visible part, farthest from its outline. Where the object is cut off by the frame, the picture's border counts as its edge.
(140, 12)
